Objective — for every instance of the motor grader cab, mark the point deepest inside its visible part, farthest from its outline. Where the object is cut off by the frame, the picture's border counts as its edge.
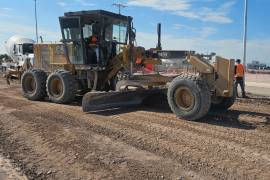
(110, 31)
(97, 58)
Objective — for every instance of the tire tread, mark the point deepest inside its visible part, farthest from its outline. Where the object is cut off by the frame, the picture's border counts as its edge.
(205, 96)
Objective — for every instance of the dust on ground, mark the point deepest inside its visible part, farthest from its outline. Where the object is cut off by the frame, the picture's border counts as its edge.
(51, 141)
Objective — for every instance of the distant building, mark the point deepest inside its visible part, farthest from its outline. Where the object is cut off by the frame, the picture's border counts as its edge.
(256, 65)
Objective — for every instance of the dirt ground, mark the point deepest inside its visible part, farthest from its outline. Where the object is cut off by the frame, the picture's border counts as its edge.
(51, 141)
(8, 172)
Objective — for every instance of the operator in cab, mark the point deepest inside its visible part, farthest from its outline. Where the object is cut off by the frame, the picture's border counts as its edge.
(94, 39)
(239, 78)
(93, 43)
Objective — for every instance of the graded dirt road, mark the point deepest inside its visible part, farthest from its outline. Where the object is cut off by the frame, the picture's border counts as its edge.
(51, 141)
(8, 172)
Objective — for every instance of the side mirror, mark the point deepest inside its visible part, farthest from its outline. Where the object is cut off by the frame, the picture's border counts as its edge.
(213, 54)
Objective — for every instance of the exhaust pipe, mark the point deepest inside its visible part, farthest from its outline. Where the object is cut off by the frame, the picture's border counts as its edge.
(159, 37)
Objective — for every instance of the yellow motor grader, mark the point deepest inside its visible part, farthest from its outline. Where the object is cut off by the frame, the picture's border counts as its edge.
(97, 58)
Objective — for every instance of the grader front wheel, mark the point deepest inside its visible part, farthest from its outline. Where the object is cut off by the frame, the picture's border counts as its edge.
(189, 97)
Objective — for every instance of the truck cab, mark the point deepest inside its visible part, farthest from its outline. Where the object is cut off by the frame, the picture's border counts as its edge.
(19, 49)
(109, 31)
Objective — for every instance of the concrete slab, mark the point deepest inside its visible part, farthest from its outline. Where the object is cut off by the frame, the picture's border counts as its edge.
(260, 85)
(258, 91)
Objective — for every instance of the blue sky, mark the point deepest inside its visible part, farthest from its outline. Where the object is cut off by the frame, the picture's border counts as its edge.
(201, 25)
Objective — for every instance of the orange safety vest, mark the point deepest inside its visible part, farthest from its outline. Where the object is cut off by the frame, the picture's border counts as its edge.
(94, 40)
(138, 60)
(240, 70)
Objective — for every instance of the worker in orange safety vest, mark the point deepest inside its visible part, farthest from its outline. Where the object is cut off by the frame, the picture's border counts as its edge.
(239, 77)
(93, 43)
(93, 39)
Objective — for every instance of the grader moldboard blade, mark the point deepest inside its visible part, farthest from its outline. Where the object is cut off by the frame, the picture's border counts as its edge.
(99, 101)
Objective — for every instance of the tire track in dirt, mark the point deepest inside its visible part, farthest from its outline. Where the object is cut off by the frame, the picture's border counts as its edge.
(46, 149)
(94, 127)
(212, 131)
(37, 136)
(42, 149)
(146, 134)
(126, 133)
(18, 153)
(145, 124)
(206, 130)
(8, 172)
(66, 130)
(230, 151)
(203, 127)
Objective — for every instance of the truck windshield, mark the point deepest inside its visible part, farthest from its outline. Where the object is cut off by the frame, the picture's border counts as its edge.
(28, 48)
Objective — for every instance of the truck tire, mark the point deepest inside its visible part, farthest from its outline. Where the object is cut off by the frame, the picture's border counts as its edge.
(223, 103)
(61, 87)
(189, 97)
(34, 84)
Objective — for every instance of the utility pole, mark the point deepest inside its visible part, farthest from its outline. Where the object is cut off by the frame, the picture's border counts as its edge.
(119, 6)
(245, 35)
(36, 20)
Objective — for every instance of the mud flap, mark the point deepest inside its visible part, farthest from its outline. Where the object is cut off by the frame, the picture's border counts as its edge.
(98, 101)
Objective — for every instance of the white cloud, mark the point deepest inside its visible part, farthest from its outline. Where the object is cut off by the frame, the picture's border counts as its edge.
(62, 4)
(180, 26)
(5, 12)
(229, 48)
(10, 29)
(171, 5)
(201, 32)
(6, 9)
(206, 31)
(28, 31)
(71, 3)
(85, 3)
(185, 8)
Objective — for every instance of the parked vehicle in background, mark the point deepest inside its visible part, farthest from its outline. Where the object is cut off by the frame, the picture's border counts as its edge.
(20, 48)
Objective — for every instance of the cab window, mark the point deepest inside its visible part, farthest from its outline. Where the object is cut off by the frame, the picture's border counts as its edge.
(28, 48)
(87, 31)
(119, 32)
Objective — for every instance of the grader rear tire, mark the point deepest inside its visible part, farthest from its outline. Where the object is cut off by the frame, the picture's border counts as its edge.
(61, 87)
(34, 84)
(189, 97)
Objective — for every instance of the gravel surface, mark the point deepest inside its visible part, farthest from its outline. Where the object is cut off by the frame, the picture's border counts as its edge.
(8, 172)
(51, 141)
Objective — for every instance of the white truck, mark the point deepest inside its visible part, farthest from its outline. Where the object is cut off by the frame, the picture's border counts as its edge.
(19, 49)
